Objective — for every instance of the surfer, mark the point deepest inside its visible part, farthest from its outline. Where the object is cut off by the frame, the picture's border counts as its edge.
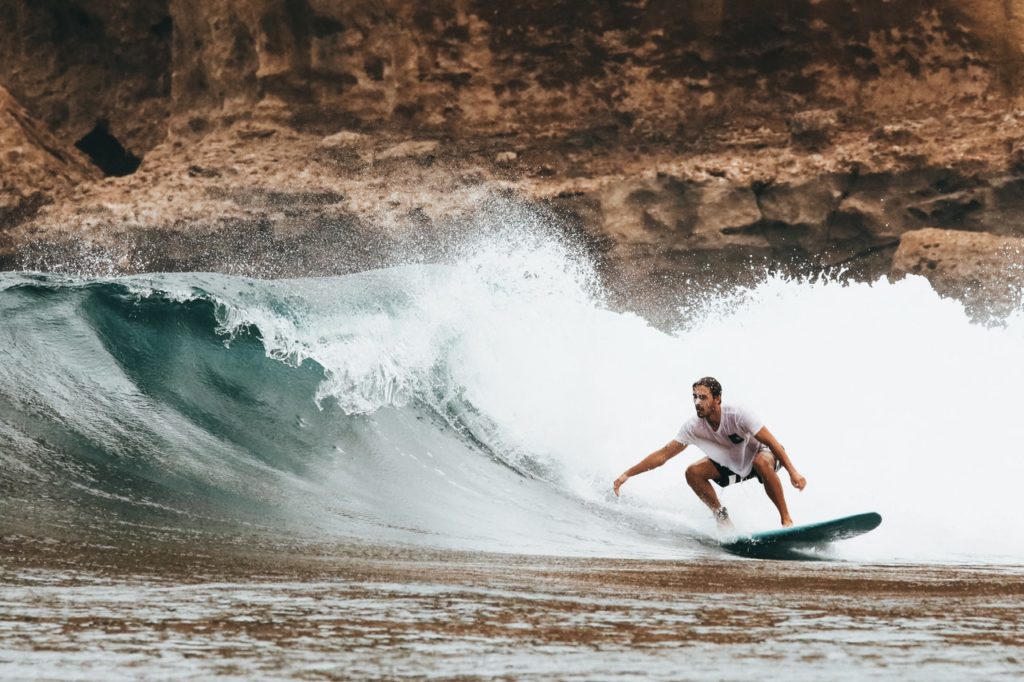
(739, 447)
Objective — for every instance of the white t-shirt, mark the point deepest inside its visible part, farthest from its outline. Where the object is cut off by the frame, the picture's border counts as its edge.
(733, 444)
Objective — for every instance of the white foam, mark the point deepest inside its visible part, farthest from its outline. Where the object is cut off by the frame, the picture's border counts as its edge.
(887, 397)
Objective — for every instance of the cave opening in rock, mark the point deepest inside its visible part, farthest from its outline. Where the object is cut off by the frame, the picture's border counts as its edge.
(106, 152)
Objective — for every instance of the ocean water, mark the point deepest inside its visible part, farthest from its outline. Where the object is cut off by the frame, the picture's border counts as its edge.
(487, 402)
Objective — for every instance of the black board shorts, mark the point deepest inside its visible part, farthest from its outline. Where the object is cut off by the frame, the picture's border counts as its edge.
(727, 476)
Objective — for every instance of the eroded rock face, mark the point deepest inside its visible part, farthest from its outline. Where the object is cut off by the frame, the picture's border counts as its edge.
(34, 166)
(678, 141)
(75, 63)
(663, 70)
(987, 271)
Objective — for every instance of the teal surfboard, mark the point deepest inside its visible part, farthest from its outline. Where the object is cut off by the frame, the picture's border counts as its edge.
(789, 543)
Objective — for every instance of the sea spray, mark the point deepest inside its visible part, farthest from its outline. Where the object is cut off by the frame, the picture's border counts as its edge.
(488, 402)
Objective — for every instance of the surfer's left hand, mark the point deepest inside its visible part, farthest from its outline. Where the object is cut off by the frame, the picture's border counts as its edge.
(797, 480)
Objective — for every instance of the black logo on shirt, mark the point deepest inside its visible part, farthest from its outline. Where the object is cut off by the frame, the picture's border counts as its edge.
(736, 438)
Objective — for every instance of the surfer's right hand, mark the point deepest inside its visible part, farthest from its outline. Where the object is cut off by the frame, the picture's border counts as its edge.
(618, 483)
(798, 481)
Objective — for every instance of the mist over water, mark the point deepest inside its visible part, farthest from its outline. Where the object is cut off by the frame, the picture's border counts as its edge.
(888, 398)
(488, 403)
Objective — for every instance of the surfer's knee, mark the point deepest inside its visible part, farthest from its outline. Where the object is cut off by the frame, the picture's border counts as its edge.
(692, 474)
(695, 474)
(764, 463)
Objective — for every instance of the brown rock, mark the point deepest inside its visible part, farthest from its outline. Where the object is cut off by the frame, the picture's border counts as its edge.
(412, 149)
(665, 70)
(725, 210)
(346, 139)
(655, 125)
(681, 214)
(886, 204)
(808, 203)
(813, 129)
(348, 150)
(1016, 160)
(986, 271)
(34, 165)
(894, 134)
(73, 64)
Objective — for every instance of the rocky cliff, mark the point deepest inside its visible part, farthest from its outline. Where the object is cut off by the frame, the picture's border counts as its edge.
(681, 141)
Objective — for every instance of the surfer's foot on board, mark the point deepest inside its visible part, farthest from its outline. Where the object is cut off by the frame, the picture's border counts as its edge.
(787, 522)
(722, 517)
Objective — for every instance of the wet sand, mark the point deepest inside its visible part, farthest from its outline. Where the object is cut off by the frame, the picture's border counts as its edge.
(356, 612)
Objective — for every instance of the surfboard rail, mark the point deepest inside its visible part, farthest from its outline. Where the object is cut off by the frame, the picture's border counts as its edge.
(785, 542)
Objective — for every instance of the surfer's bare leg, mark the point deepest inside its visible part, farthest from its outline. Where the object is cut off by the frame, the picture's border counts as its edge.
(699, 475)
(764, 465)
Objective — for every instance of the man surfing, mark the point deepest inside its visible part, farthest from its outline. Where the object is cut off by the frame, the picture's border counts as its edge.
(739, 447)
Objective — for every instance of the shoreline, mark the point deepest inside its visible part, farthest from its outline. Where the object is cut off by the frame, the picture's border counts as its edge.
(275, 559)
(389, 613)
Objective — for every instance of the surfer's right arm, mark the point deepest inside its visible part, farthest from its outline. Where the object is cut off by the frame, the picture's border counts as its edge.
(651, 461)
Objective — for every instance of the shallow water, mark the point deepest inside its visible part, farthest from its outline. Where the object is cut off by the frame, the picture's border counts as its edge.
(513, 617)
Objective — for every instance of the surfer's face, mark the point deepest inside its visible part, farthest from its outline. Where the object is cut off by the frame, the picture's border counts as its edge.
(703, 401)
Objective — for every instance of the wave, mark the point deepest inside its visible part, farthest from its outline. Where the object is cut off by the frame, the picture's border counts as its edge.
(487, 403)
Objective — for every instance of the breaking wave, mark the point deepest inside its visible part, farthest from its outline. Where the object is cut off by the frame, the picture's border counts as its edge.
(487, 403)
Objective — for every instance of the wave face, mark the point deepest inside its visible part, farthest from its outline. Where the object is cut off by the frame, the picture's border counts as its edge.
(488, 403)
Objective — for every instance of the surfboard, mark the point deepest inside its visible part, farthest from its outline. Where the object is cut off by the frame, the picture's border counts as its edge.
(788, 543)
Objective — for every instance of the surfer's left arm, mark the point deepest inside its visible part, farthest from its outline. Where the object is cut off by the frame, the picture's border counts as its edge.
(766, 437)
